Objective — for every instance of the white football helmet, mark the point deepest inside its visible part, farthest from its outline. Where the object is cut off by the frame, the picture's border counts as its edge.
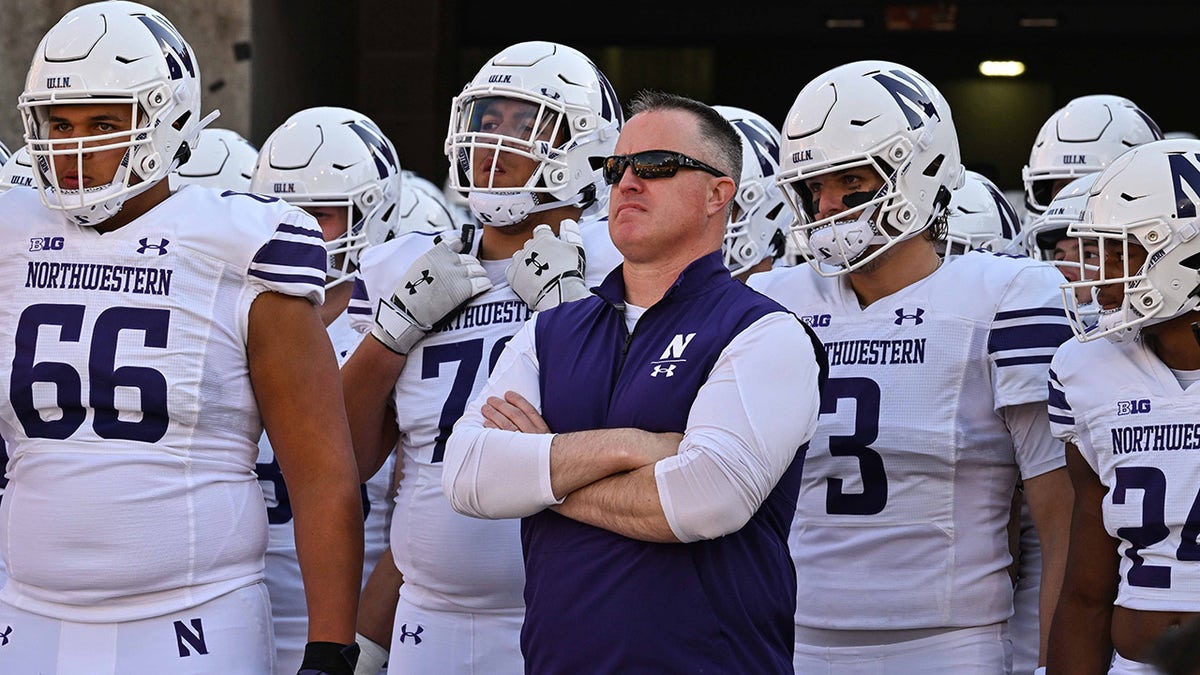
(758, 226)
(1040, 235)
(541, 101)
(335, 157)
(221, 159)
(1082, 137)
(1146, 197)
(421, 209)
(17, 171)
(879, 115)
(979, 216)
(112, 53)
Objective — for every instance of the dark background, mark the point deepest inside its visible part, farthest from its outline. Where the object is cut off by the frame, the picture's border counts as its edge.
(401, 62)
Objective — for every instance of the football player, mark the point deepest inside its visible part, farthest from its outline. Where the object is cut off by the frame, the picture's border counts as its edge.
(338, 166)
(154, 337)
(934, 404)
(522, 136)
(1127, 411)
(222, 159)
(757, 232)
(17, 171)
(1079, 139)
(979, 217)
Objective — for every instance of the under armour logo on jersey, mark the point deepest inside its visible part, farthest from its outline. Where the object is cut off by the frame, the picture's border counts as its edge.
(194, 637)
(146, 246)
(668, 370)
(425, 279)
(4, 635)
(532, 261)
(415, 634)
(901, 317)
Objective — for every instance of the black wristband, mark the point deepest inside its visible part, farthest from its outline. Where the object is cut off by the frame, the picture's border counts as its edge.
(329, 658)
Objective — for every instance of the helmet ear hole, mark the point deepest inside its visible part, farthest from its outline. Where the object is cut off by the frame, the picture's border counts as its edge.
(932, 168)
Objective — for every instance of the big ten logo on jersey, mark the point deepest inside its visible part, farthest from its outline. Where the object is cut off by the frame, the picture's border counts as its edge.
(1135, 407)
(817, 320)
(47, 244)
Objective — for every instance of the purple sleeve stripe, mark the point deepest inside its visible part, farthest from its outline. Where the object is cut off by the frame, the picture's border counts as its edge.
(305, 279)
(1034, 311)
(1057, 398)
(358, 309)
(291, 254)
(1063, 420)
(1023, 360)
(296, 229)
(1028, 336)
(360, 291)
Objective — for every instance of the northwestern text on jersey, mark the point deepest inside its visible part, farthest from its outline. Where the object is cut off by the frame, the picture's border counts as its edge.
(96, 277)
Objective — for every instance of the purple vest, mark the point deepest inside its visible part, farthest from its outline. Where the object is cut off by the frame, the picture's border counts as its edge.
(598, 602)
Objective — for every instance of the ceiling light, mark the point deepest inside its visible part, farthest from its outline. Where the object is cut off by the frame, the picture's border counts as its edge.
(1001, 68)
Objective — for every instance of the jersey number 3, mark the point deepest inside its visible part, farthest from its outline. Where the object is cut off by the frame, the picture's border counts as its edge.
(865, 394)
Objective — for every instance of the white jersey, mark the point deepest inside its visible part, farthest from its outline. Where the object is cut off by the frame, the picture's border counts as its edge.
(1138, 429)
(131, 421)
(902, 515)
(3, 484)
(452, 562)
(289, 607)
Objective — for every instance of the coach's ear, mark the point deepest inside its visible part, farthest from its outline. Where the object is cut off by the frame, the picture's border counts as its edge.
(720, 192)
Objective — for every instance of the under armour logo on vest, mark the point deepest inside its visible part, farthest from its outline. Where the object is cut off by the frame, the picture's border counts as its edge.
(4, 635)
(425, 279)
(146, 246)
(532, 261)
(668, 371)
(415, 635)
(901, 317)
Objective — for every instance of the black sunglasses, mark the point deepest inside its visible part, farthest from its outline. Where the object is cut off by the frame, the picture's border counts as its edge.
(651, 164)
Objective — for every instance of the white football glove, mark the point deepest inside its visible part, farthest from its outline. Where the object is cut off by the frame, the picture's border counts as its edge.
(548, 270)
(435, 285)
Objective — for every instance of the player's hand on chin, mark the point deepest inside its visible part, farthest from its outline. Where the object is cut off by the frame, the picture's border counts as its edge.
(513, 413)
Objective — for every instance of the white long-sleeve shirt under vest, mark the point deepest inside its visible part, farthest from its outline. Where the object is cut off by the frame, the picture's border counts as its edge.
(451, 562)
